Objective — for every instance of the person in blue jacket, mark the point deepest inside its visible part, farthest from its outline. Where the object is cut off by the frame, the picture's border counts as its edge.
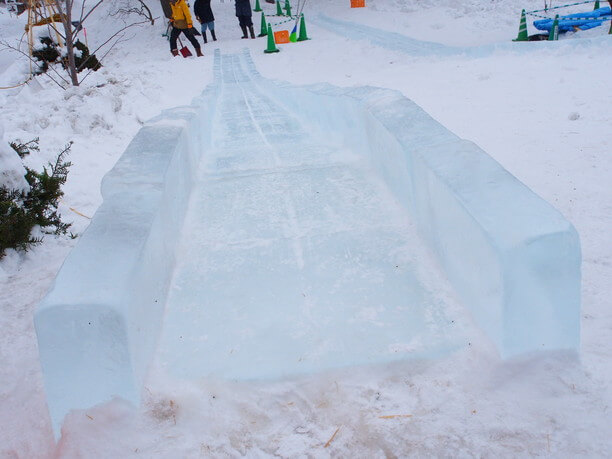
(243, 12)
(204, 15)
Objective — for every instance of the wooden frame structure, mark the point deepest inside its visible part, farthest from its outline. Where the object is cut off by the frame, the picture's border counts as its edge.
(43, 12)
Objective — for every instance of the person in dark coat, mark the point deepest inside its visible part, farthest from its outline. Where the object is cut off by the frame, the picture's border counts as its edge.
(243, 12)
(204, 15)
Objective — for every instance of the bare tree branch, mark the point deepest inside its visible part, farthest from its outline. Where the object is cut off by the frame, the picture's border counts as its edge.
(9, 46)
(69, 34)
(91, 11)
(141, 10)
(117, 33)
(103, 56)
(82, 10)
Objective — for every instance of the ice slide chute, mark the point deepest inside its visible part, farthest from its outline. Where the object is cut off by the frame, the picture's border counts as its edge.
(267, 230)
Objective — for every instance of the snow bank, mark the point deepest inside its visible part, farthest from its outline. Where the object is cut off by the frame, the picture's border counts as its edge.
(98, 326)
(12, 172)
(512, 257)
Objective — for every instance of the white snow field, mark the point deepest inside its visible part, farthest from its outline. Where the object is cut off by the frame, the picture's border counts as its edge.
(429, 378)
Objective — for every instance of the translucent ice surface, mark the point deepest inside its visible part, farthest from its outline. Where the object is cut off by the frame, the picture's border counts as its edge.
(269, 230)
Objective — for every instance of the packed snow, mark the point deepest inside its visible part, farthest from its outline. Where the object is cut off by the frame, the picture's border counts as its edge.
(540, 109)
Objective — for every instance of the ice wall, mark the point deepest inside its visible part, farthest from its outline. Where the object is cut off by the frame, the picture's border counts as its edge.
(98, 325)
(512, 257)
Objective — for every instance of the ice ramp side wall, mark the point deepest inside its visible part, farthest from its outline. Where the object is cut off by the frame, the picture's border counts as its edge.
(513, 259)
(98, 326)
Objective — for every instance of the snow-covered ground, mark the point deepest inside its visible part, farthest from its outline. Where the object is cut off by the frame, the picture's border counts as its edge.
(541, 109)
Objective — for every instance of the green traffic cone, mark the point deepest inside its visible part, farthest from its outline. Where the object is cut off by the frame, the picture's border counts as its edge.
(522, 33)
(257, 7)
(271, 45)
(287, 8)
(554, 30)
(264, 28)
(303, 35)
(596, 5)
(279, 10)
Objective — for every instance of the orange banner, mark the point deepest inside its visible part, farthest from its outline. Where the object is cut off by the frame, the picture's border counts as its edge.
(282, 36)
(357, 3)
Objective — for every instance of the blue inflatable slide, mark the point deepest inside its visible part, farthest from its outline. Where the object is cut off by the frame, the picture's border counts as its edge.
(582, 21)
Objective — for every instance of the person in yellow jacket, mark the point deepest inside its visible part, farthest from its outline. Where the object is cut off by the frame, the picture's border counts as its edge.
(181, 22)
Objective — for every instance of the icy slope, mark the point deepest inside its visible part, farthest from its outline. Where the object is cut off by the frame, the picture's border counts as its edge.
(295, 255)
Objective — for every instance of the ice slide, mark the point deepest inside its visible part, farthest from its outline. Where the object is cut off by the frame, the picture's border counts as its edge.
(413, 47)
(403, 43)
(384, 38)
(268, 230)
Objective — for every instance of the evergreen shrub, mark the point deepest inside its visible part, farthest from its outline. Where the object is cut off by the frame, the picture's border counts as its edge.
(21, 211)
(49, 53)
